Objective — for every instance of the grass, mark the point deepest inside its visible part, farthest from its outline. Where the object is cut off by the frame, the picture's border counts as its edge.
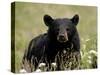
(89, 53)
(29, 24)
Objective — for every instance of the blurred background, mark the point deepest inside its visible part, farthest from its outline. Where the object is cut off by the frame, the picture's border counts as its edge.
(29, 24)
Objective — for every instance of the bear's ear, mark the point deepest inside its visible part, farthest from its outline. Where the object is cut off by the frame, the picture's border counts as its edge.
(75, 19)
(48, 20)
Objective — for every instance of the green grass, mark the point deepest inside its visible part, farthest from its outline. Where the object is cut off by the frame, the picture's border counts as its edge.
(29, 24)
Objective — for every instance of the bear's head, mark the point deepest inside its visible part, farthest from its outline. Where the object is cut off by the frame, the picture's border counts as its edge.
(61, 29)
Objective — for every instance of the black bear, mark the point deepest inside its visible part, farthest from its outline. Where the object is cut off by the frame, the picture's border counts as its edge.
(61, 39)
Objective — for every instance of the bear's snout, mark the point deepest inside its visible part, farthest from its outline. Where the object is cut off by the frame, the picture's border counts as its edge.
(62, 38)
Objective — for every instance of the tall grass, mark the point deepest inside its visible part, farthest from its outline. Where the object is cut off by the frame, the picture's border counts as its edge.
(29, 24)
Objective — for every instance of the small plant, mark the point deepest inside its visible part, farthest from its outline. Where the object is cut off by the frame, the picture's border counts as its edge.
(53, 66)
(42, 66)
(23, 71)
(89, 53)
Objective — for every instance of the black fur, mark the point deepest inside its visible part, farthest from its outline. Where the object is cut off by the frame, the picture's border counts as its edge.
(62, 35)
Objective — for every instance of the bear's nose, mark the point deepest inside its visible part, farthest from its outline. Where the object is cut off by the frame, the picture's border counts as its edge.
(62, 37)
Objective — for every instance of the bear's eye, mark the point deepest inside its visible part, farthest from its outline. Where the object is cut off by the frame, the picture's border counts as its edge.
(67, 29)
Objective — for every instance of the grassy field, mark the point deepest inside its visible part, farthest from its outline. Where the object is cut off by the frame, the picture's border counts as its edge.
(29, 24)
